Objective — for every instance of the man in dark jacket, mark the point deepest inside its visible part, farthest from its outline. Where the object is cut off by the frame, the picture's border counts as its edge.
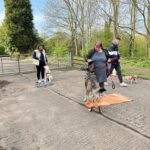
(115, 59)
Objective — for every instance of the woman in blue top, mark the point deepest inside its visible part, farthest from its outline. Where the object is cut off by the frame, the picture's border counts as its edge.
(98, 58)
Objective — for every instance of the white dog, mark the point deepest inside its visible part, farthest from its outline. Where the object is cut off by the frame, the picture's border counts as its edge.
(48, 74)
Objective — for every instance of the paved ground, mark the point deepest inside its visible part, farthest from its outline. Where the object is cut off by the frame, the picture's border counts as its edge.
(53, 118)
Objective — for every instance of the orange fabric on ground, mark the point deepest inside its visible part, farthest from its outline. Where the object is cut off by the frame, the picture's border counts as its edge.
(109, 99)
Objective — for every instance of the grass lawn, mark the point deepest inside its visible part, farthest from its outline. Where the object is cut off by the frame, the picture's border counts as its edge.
(139, 67)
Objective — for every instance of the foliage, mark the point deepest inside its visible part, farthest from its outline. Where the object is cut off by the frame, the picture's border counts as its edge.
(59, 42)
(19, 25)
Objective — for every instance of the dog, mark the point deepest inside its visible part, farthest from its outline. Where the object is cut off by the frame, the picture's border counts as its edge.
(48, 74)
(91, 87)
(130, 79)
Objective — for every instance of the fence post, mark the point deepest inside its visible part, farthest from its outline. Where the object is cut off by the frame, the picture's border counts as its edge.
(2, 64)
(70, 63)
(57, 60)
(18, 59)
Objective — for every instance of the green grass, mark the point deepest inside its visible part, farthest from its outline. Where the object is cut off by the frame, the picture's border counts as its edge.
(132, 64)
(139, 74)
(136, 63)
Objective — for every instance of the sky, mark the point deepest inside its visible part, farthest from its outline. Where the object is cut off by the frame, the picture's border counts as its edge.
(37, 7)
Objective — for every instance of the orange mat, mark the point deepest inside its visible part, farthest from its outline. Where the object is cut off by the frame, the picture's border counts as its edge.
(109, 99)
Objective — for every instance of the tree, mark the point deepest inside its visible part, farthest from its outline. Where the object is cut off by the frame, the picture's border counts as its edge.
(19, 25)
(144, 9)
(75, 17)
(115, 6)
(133, 27)
(58, 42)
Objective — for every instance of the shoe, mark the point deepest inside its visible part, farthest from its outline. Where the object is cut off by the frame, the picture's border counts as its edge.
(102, 92)
(123, 84)
(106, 83)
(39, 81)
(43, 80)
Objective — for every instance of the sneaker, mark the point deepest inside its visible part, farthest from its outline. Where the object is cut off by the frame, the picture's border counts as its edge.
(43, 80)
(39, 81)
(123, 84)
(106, 83)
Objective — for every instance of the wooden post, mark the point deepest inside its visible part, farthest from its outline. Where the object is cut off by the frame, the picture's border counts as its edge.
(18, 59)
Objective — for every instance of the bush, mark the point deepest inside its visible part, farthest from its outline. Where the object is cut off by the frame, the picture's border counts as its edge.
(2, 51)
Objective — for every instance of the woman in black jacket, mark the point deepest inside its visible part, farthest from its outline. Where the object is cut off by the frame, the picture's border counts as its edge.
(40, 60)
(97, 62)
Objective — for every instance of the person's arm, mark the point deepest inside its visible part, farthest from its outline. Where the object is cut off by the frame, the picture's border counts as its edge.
(89, 55)
(34, 56)
(107, 54)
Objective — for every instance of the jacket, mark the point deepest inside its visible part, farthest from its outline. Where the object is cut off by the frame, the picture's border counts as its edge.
(92, 52)
(37, 55)
(114, 52)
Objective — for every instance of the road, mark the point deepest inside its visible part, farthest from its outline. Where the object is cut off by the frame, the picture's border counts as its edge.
(54, 118)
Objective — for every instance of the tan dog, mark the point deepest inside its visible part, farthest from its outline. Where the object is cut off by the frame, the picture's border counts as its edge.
(130, 79)
(48, 74)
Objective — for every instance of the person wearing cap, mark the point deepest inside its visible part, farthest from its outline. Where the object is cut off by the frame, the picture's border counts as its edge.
(98, 58)
(115, 59)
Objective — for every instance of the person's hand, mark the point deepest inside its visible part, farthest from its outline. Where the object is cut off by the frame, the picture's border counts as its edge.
(89, 60)
(109, 60)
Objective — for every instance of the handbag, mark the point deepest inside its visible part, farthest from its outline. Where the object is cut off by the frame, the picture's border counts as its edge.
(36, 62)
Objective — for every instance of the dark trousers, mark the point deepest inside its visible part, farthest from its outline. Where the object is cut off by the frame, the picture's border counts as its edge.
(40, 71)
(102, 88)
(101, 85)
(117, 67)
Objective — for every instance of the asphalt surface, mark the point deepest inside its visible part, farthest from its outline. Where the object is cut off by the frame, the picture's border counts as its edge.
(54, 118)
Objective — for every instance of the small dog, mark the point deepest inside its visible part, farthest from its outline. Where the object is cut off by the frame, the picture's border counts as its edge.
(131, 79)
(91, 87)
(48, 74)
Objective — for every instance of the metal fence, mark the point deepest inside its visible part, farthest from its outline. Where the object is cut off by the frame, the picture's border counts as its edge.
(14, 65)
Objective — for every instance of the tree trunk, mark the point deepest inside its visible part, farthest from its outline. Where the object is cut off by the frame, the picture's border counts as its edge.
(115, 5)
(133, 26)
(148, 32)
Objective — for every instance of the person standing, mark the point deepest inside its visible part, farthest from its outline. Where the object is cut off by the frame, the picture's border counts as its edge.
(115, 59)
(98, 58)
(40, 60)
